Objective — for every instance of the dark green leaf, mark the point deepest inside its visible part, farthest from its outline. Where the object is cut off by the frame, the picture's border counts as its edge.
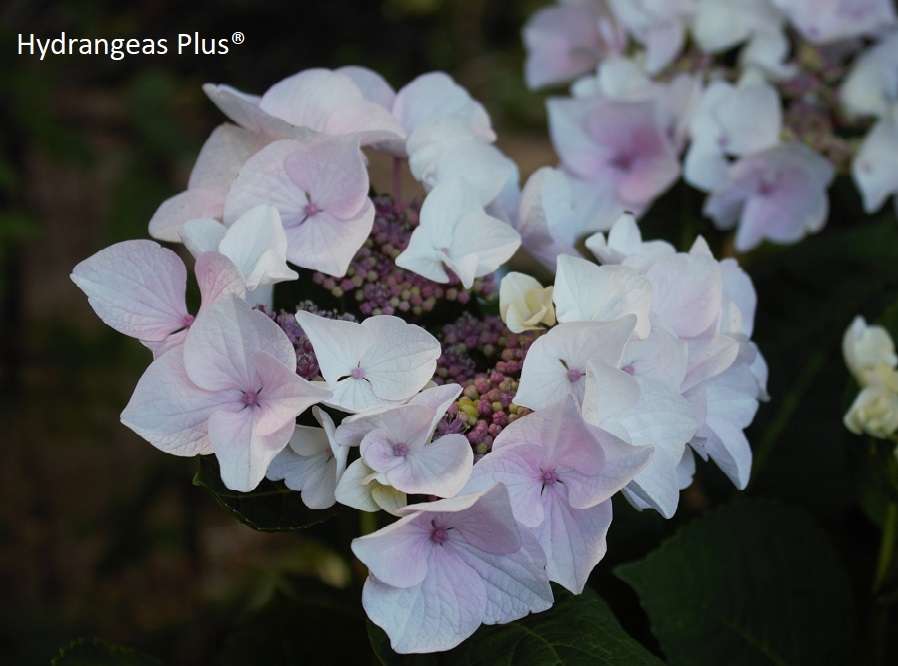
(94, 652)
(271, 507)
(308, 619)
(755, 582)
(579, 629)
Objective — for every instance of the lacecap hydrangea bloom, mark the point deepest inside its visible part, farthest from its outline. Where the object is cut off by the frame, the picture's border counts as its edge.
(490, 446)
(652, 98)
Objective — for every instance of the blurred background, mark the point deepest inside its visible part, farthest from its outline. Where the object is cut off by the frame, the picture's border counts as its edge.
(104, 536)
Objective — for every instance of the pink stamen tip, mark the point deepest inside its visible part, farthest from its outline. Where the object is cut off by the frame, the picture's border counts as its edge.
(250, 398)
(439, 535)
(400, 449)
(357, 373)
(311, 209)
(629, 369)
(188, 320)
(574, 375)
(549, 477)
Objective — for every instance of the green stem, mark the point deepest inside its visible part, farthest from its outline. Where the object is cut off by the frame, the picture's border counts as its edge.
(886, 546)
(367, 522)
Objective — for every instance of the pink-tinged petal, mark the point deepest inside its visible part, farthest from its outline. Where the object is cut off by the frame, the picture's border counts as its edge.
(709, 356)
(620, 464)
(169, 411)
(875, 168)
(729, 449)
(562, 43)
(311, 463)
(401, 358)
(136, 287)
(739, 296)
(436, 399)
(555, 365)
(435, 96)
(573, 539)
(257, 245)
(687, 291)
(663, 44)
(243, 454)
(329, 102)
(373, 86)
(455, 232)
(587, 292)
(608, 394)
(661, 418)
(383, 452)
(705, 166)
(264, 180)
(403, 428)
(284, 395)
(176, 211)
(354, 489)
(217, 277)
(244, 110)
(219, 349)
(435, 615)
(333, 172)
(338, 344)
(779, 193)
(320, 189)
(557, 210)
(516, 465)
(661, 356)
(203, 234)
(172, 341)
(478, 567)
(440, 468)
(515, 583)
(327, 243)
(398, 554)
(220, 158)
(599, 139)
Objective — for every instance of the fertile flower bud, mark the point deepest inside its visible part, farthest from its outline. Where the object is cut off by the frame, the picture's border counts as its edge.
(865, 348)
(874, 412)
(524, 303)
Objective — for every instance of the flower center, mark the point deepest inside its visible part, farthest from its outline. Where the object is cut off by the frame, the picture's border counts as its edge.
(629, 369)
(622, 162)
(187, 321)
(400, 449)
(574, 375)
(250, 398)
(549, 477)
(310, 210)
(357, 373)
(439, 535)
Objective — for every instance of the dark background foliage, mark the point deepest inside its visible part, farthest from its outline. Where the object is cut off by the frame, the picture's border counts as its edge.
(105, 537)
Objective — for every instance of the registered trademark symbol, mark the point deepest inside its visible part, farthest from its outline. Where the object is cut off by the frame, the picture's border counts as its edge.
(237, 37)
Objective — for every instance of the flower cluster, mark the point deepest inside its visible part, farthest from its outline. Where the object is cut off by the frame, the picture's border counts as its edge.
(495, 442)
(870, 355)
(653, 98)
